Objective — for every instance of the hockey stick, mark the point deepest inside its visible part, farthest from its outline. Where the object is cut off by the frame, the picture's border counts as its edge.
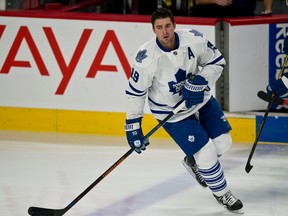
(38, 211)
(266, 97)
(271, 100)
(248, 164)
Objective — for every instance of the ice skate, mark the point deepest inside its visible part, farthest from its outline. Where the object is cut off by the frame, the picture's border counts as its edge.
(230, 202)
(191, 166)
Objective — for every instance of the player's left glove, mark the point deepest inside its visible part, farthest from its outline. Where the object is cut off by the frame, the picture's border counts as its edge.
(278, 87)
(193, 90)
(135, 136)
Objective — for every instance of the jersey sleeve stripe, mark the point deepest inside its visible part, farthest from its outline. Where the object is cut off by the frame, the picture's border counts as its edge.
(138, 95)
(157, 104)
(135, 90)
(215, 61)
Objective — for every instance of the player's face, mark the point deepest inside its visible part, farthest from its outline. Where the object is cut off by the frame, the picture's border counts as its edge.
(164, 30)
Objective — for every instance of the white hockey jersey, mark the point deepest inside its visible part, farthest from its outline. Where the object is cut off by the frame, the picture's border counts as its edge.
(160, 74)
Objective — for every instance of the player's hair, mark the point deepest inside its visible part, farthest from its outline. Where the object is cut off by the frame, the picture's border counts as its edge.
(161, 13)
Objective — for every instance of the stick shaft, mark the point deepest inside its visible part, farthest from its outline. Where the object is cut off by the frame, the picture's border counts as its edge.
(38, 211)
(150, 133)
(248, 166)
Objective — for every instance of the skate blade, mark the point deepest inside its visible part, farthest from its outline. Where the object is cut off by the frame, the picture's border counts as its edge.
(240, 211)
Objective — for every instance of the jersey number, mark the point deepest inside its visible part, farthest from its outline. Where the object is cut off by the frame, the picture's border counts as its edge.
(135, 75)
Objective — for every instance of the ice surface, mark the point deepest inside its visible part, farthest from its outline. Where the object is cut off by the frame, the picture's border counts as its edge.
(50, 170)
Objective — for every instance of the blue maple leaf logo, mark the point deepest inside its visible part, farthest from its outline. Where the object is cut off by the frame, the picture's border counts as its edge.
(176, 87)
(142, 54)
(196, 33)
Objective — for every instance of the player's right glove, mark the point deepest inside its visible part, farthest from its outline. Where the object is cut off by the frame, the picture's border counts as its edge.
(193, 90)
(135, 136)
(278, 87)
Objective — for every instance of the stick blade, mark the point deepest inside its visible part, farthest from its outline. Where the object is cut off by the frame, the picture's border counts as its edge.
(276, 100)
(37, 211)
(248, 167)
(264, 96)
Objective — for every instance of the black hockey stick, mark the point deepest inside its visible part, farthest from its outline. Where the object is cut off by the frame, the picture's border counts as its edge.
(266, 97)
(38, 211)
(271, 100)
(248, 164)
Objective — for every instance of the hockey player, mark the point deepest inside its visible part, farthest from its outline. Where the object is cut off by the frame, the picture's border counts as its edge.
(182, 65)
(280, 87)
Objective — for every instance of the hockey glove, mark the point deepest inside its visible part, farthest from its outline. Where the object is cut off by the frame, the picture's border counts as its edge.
(278, 87)
(193, 91)
(134, 135)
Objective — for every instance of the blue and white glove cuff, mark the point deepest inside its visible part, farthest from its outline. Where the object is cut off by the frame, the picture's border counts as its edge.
(194, 88)
(132, 126)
